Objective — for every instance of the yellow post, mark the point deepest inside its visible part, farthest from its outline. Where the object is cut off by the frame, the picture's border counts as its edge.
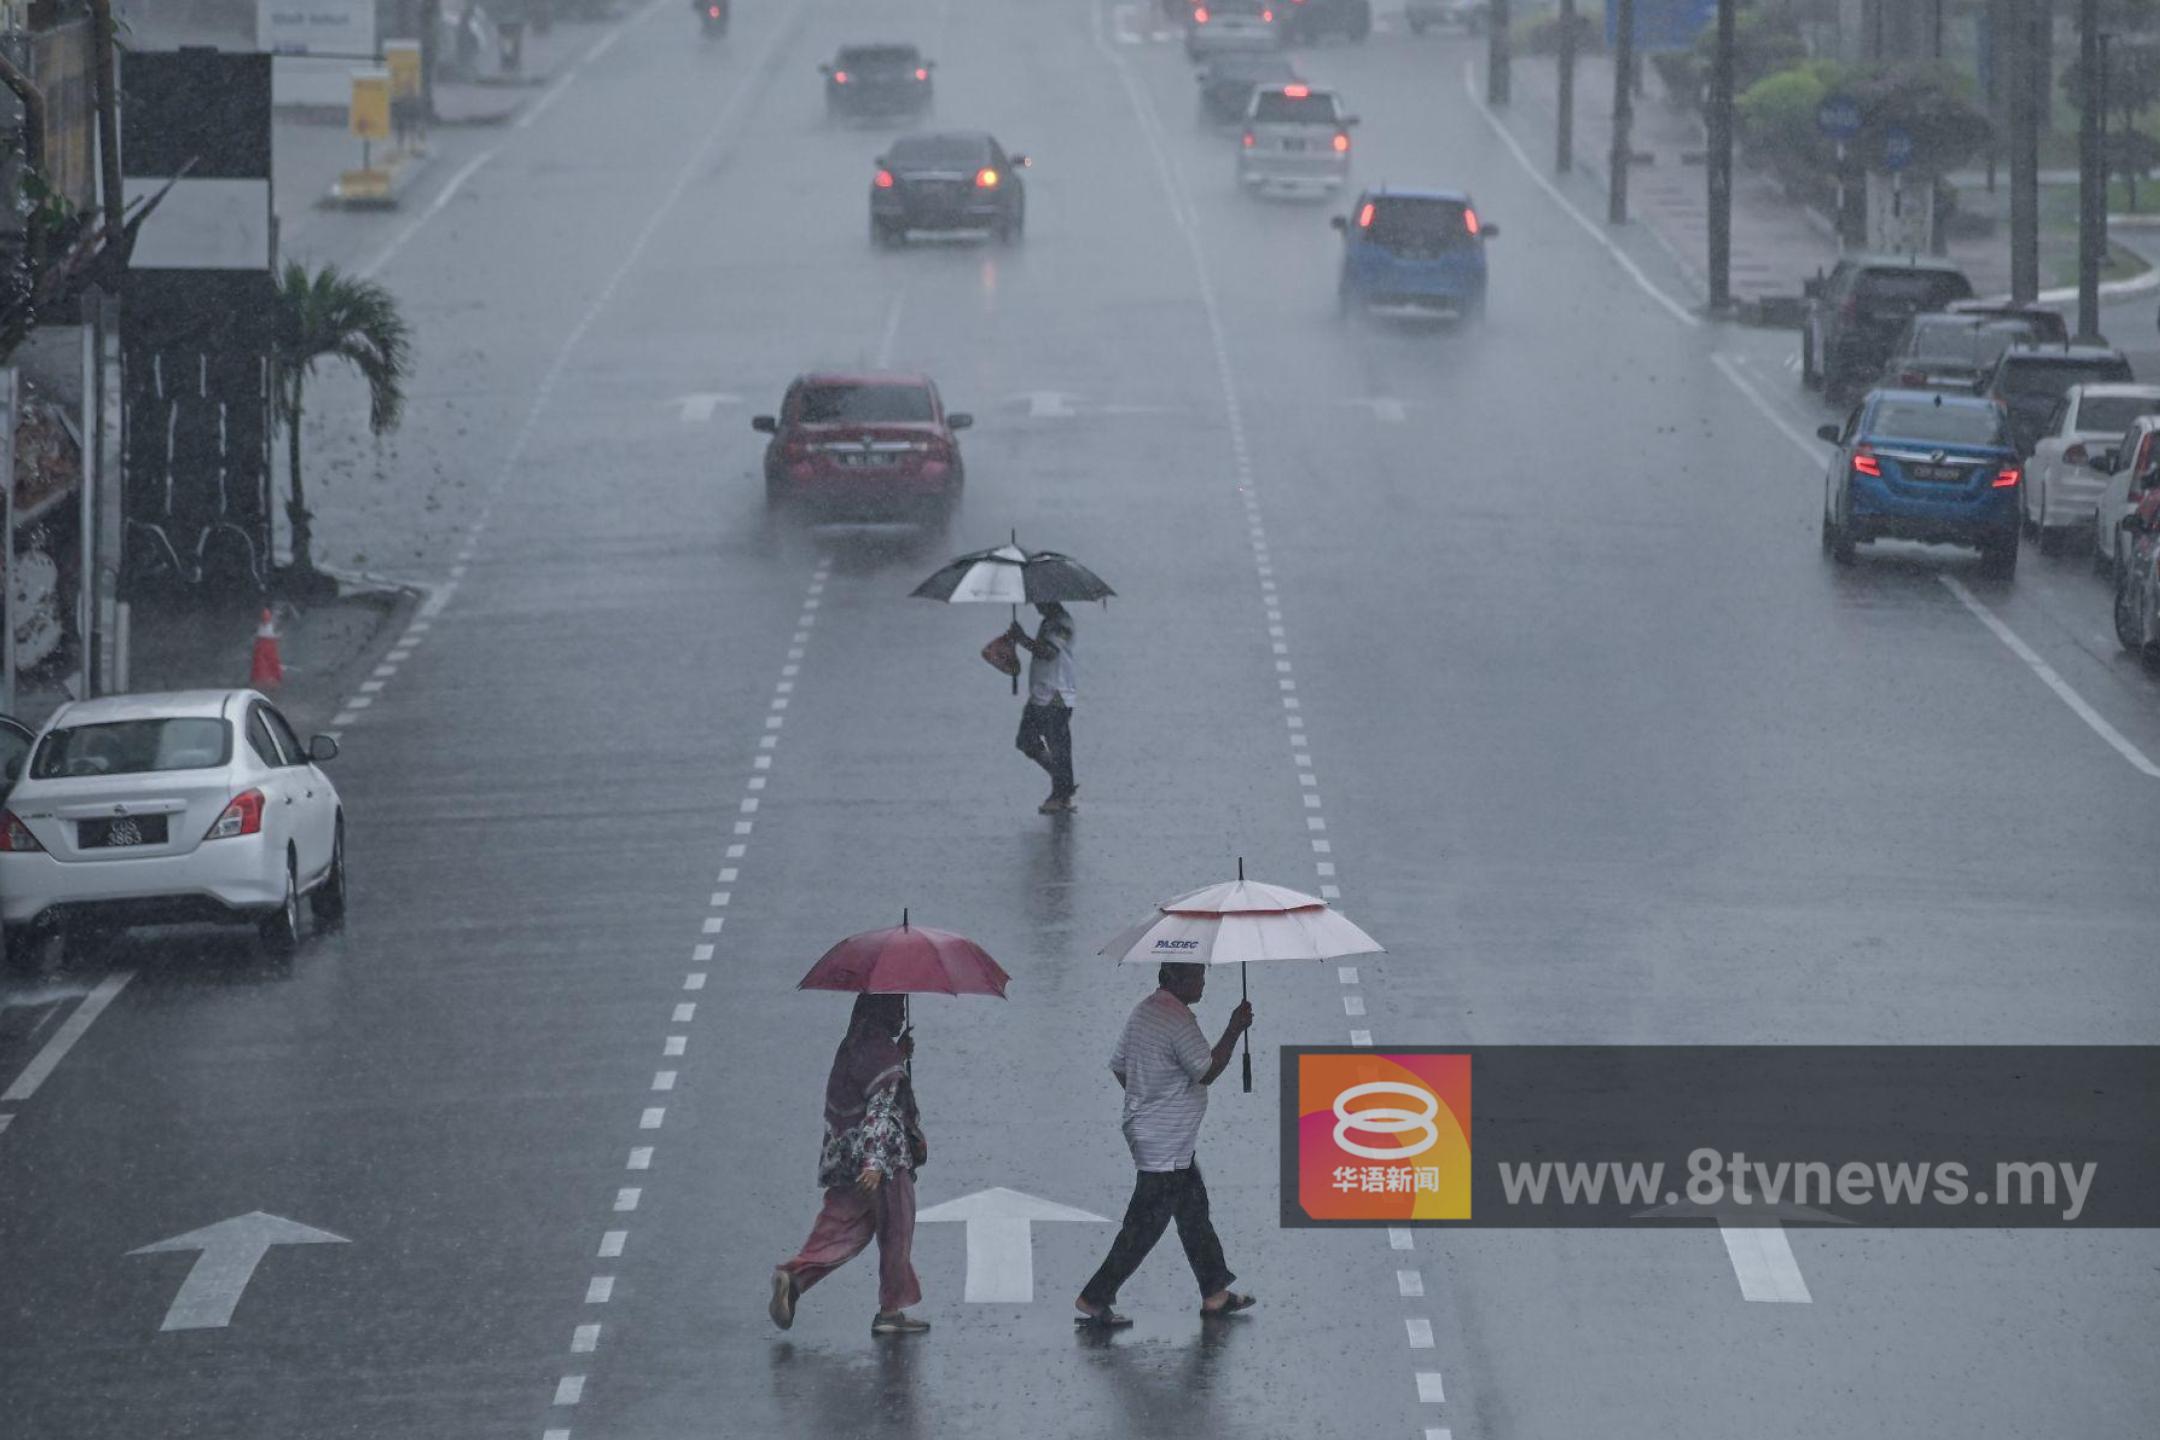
(370, 110)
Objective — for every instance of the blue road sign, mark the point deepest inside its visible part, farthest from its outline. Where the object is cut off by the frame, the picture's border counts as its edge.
(1896, 148)
(1661, 24)
(1838, 117)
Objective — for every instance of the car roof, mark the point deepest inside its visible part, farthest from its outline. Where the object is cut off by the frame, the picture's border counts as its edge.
(169, 705)
(862, 377)
(1931, 263)
(2046, 354)
(936, 137)
(1404, 192)
(1924, 397)
(880, 47)
(2115, 390)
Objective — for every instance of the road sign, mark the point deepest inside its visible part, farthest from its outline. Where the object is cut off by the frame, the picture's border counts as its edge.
(1897, 148)
(1838, 117)
(371, 104)
(231, 1249)
(1000, 1249)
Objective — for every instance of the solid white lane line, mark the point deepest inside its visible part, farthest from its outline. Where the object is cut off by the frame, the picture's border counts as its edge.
(434, 207)
(1590, 227)
(1762, 1257)
(64, 1039)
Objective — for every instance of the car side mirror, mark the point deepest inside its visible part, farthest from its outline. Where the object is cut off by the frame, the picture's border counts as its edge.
(1348, 121)
(824, 69)
(2133, 524)
(2105, 460)
(882, 162)
(1812, 288)
(1489, 232)
(765, 424)
(322, 749)
(1340, 222)
(1018, 162)
(960, 420)
(1827, 432)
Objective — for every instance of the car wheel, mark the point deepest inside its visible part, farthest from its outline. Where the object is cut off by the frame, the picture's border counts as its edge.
(81, 937)
(1999, 557)
(327, 901)
(2126, 612)
(1837, 540)
(2103, 562)
(26, 948)
(279, 931)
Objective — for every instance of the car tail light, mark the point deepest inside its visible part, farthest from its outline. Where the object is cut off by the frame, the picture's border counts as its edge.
(243, 816)
(1246, 139)
(1865, 463)
(839, 77)
(15, 837)
(1364, 216)
(1199, 15)
(2006, 477)
(713, 10)
(922, 74)
(1469, 221)
(986, 178)
(1297, 92)
(1342, 142)
(884, 180)
(1267, 17)
(2077, 455)
(1911, 377)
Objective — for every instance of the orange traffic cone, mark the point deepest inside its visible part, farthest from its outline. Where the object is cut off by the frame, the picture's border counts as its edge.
(268, 671)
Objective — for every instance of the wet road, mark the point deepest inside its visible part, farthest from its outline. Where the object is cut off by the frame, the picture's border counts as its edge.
(1519, 639)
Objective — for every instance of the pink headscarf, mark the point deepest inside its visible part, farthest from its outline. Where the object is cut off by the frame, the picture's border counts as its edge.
(869, 1058)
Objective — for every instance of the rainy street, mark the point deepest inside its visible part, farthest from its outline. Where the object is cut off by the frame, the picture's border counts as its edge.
(1513, 640)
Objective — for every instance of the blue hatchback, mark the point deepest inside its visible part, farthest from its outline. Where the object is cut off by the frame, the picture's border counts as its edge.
(1922, 465)
(1414, 249)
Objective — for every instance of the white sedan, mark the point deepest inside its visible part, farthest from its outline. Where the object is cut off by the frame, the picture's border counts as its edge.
(156, 809)
(2063, 476)
(2134, 468)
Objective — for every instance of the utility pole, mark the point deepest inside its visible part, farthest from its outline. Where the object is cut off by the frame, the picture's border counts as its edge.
(2092, 170)
(1717, 166)
(2021, 59)
(105, 87)
(1499, 54)
(1564, 154)
(1623, 109)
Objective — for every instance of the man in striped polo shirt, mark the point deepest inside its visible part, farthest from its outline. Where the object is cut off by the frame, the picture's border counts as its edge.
(1166, 1064)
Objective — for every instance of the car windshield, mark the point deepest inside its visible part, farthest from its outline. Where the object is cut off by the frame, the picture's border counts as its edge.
(879, 57)
(1399, 223)
(2044, 324)
(1274, 107)
(829, 404)
(1973, 344)
(2112, 414)
(939, 152)
(133, 747)
(2027, 382)
(1922, 288)
(1966, 424)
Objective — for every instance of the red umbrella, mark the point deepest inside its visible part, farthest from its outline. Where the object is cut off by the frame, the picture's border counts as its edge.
(907, 960)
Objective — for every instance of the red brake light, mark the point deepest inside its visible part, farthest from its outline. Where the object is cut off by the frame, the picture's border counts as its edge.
(1342, 142)
(15, 837)
(986, 178)
(2005, 478)
(922, 74)
(1246, 139)
(1469, 221)
(1267, 17)
(242, 817)
(839, 77)
(713, 10)
(1297, 92)
(884, 180)
(1364, 216)
(1199, 15)
(1865, 463)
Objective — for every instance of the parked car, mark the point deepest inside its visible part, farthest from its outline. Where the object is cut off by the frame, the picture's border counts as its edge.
(1415, 249)
(1297, 137)
(875, 81)
(1468, 16)
(1307, 20)
(1227, 82)
(2064, 478)
(2133, 469)
(1856, 312)
(1922, 465)
(2027, 380)
(957, 180)
(1948, 351)
(875, 447)
(2137, 580)
(153, 809)
(2047, 325)
(1214, 26)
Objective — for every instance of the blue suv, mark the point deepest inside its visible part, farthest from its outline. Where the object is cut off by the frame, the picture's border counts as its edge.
(1921, 465)
(1419, 249)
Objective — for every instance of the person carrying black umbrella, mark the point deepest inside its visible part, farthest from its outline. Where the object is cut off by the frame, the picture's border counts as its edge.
(1046, 722)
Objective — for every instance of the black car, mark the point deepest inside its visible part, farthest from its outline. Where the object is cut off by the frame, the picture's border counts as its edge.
(954, 180)
(1951, 351)
(1856, 312)
(1308, 20)
(877, 80)
(1227, 83)
(2029, 379)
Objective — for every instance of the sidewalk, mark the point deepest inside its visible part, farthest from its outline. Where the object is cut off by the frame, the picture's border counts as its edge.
(1776, 242)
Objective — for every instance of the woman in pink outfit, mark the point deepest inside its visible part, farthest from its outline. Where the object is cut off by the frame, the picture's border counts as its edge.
(873, 1143)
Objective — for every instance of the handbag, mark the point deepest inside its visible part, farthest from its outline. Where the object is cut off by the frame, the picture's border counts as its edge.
(1003, 656)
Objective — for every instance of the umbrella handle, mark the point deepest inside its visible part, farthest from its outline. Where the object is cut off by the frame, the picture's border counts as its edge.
(1244, 994)
(1016, 673)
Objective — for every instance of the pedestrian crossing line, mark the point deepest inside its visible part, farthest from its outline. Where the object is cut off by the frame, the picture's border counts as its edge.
(600, 1286)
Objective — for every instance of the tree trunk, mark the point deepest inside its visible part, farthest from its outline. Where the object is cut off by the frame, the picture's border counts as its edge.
(296, 510)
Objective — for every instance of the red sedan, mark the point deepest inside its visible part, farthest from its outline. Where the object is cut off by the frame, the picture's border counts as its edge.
(864, 447)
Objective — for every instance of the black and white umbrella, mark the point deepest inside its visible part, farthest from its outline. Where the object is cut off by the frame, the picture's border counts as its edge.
(1009, 575)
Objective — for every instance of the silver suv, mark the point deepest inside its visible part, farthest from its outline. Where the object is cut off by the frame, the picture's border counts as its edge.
(1296, 137)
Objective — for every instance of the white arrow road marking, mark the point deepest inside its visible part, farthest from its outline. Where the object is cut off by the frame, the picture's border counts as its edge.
(1762, 1257)
(698, 409)
(231, 1249)
(1000, 1249)
(1383, 408)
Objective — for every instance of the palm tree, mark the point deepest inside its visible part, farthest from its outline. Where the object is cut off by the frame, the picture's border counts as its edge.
(334, 316)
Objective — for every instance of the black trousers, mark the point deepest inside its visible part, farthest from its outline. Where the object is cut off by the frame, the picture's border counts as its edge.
(1158, 1197)
(1046, 738)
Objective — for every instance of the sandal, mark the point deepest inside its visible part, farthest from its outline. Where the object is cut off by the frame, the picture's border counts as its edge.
(782, 1305)
(1103, 1319)
(1230, 1306)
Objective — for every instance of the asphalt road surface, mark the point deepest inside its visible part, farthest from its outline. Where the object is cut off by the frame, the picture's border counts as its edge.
(1519, 639)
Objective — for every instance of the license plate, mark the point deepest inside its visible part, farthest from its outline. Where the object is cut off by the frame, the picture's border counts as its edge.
(1293, 145)
(1938, 472)
(861, 461)
(121, 831)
